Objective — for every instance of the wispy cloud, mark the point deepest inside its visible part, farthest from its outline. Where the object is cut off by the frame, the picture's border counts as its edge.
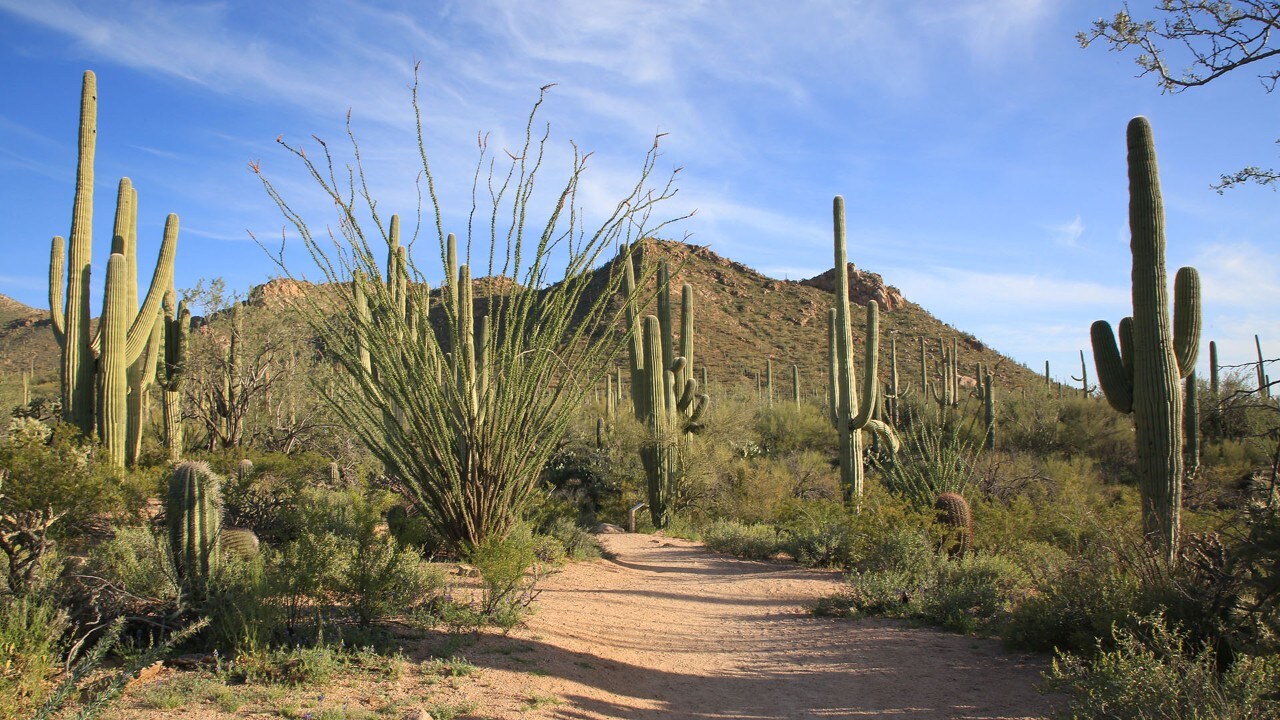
(1069, 233)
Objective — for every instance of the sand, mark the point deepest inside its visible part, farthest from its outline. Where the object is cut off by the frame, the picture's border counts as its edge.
(667, 629)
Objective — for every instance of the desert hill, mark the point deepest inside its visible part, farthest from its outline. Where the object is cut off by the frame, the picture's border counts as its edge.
(742, 319)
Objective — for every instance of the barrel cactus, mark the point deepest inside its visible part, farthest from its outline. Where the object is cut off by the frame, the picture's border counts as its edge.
(955, 514)
(193, 516)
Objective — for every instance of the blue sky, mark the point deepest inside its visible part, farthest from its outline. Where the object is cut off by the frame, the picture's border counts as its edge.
(980, 150)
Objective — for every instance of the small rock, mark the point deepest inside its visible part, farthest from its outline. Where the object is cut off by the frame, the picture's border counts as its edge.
(607, 529)
(416, 715)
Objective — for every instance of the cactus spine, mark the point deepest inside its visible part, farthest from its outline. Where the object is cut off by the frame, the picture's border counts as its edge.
(193, 516)
(1143, 378)
(664, 392)
(853, 406)
(125, 330)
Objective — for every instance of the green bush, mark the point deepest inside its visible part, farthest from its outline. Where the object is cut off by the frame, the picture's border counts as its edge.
(1073, 607)
(31, 630)
(52, 468)
(1154, 672)
(970, 593)
(816, 533)
(754, 542)
(381, 579)
(510, 569)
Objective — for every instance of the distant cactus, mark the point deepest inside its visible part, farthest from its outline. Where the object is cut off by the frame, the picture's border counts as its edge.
(795, 384)
(193, 515)
(335, 474)
(853, 402)
(953, 511)
(989, 409)
(177, 329)
(665, 394)
(1084, 376)
(1213, 369)
(1142, 375)
(768, 381)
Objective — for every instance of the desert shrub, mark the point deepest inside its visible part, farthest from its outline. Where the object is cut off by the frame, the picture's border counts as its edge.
(510, 569)
(816, 533)
(786, 429)
(51, 468)
(754, 542)
(970, 593)
(1071, 608)
(299, 574)
(578, 544)
(1153, 672)
(298, 666)
(137, 559)
(31, 631)
(381, 578)
(243, 615)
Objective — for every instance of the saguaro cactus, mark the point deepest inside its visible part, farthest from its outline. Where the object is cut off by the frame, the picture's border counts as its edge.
(99, 391)
(193, 516)
(845, 395)
(1264, 380)
(177, 327)
(665, 394)
(989, 408)
(1142, 376)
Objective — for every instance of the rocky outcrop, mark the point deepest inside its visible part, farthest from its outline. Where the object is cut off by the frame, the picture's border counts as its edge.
(863, 288)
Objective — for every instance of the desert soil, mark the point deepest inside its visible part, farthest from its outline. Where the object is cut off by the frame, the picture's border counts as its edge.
(667, 629)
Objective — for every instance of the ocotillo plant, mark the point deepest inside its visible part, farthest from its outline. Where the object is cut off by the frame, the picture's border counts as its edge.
(100, 396)
(193, 516)
(853, 406)
(1142, 375)
(668, 403)
(479, 404)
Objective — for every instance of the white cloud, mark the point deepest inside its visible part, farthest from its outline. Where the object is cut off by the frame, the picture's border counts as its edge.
(1068, 234)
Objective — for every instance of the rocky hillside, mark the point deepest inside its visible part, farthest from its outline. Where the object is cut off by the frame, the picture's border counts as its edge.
(743, 319)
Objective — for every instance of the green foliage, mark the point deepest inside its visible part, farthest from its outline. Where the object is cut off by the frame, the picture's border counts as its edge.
(436, 398)
(31, 631)
(381, 578)
(816, 533)
(52, 469)
(971, 593)
(510, 570)
(1155, 672)
(934, 458)
(754, 542)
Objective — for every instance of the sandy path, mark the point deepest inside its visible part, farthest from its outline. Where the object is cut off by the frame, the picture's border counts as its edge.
(669, 630)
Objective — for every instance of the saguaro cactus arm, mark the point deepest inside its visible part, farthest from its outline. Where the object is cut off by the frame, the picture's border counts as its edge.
(1116, 384)
(1186, 319)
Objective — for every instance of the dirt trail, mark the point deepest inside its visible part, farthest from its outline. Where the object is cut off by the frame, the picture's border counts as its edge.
(669, 630)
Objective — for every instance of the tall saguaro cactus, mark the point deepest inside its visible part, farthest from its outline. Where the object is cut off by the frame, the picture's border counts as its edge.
(853, 407)
(1142, 375)
(665, 394)
(177, 327)
(95, 390)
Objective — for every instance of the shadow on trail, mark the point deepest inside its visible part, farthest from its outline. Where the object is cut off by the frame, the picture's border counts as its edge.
(812, 677)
